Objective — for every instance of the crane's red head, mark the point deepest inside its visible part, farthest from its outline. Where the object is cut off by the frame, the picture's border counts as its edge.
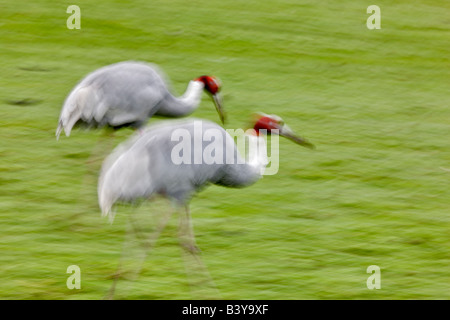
(273, 124)
(213, 86)
(268, 123)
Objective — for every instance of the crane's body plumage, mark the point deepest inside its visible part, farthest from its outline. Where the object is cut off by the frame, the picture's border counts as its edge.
(142, 166)
(125, 94)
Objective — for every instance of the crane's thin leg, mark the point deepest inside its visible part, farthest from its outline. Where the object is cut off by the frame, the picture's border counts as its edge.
(200, 282)
(93, 164)
(146, 245)
(87, 201)
(186, 232)
(102, 147)
(117, 274)
(149, 243)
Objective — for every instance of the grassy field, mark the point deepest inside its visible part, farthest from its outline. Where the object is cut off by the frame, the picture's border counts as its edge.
(375, 192)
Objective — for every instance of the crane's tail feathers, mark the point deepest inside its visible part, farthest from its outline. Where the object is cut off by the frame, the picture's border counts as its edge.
(107, 195)
(106, 204)
(76, 106)
(58, 130)
(121, 177)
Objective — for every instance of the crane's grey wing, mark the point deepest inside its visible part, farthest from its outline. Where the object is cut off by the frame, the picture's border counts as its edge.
(118, 94)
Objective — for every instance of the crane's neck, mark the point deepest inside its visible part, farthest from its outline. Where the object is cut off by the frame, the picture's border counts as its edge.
(191, 98)
(257, 153)
(180, 106)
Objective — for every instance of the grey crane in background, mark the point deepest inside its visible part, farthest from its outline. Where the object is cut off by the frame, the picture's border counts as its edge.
(128, 94)
(148, 164)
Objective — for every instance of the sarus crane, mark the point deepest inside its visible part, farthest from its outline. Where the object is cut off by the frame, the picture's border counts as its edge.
(171, 159)
(129, 93)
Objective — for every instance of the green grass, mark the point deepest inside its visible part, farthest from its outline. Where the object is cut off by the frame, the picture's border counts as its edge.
(375, 192)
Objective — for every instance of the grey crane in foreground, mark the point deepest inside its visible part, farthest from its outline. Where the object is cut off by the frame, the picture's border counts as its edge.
(128, 94)
(171, 159)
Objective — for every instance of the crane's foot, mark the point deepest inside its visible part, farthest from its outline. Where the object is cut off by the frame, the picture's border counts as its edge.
(191, 248)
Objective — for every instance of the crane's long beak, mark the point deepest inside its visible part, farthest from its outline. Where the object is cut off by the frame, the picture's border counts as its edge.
(286, 132)
(218, 102)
